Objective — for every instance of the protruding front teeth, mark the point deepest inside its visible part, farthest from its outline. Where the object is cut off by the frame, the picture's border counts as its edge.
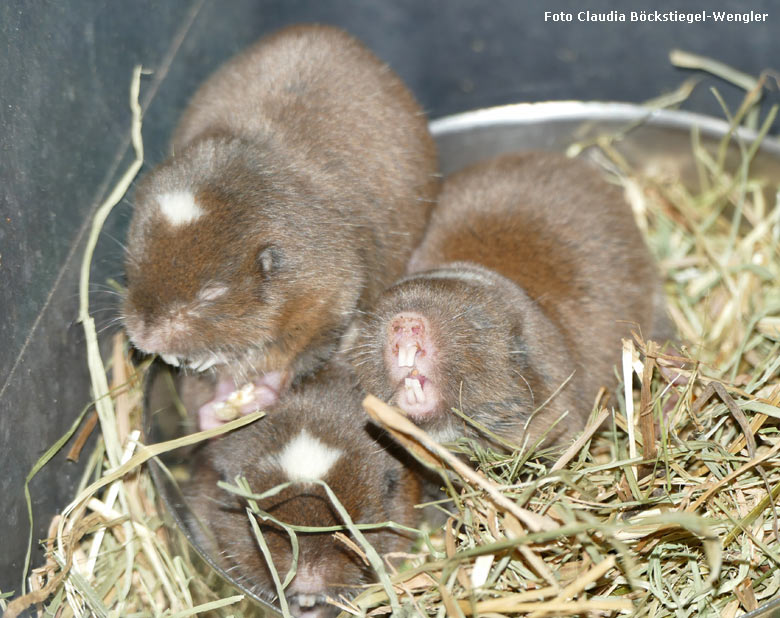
(414, 390)
(200, 365)
(406, 355)
(206, 364)
(170, 359)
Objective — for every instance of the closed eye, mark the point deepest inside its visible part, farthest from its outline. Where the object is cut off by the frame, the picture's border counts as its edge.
(212, 292)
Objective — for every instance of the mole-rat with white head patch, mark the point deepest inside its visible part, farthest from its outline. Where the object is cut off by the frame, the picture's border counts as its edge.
(301, 178)
(317, 431)
(530, 273)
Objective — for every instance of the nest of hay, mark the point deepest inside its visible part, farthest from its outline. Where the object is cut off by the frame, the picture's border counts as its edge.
(663, 507)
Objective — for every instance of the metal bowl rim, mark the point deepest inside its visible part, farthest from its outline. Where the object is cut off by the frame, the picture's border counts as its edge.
(531, 113)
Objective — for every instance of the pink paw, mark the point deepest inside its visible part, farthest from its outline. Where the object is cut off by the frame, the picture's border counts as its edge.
(230, 402)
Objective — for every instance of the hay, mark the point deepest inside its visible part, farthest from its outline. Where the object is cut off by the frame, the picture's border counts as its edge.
(668, 511)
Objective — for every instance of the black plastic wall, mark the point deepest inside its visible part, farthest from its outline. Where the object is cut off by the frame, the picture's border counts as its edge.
(65, 67)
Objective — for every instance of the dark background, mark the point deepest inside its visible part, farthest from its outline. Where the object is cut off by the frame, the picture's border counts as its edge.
(65, 68)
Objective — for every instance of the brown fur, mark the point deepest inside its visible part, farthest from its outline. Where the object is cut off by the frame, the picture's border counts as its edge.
(569, 277)
(304, 146)
(372, 479)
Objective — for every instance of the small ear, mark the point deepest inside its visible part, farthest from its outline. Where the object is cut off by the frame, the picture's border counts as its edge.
(268, 259)
(392, 481)
(518, 352)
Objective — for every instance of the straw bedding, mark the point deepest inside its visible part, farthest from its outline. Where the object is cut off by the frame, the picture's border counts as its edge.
(664, 506)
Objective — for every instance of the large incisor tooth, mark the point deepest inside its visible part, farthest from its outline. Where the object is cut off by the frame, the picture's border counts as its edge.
(406, 355)
(402, 357)
(170, 359)
(409, 388)
(419, 395)
(208, 363)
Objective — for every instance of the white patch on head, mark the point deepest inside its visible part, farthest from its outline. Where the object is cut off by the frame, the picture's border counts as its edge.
(212, 292)
(305, 457)
(179, 207)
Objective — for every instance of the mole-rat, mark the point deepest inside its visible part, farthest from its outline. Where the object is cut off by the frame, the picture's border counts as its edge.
(530, 273)
(301, 177)
(317, 431)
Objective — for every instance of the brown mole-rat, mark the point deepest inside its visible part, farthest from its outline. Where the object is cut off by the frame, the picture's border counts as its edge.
(318, 430)
(301, 178)
(530, 273)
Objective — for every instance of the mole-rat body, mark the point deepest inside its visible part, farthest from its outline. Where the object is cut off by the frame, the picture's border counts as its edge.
(318, 430)
(301, 178)
(531, 271)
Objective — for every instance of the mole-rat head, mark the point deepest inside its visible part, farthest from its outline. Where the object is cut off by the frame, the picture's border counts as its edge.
(446, 339)
(214, 263)
(371, 485)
